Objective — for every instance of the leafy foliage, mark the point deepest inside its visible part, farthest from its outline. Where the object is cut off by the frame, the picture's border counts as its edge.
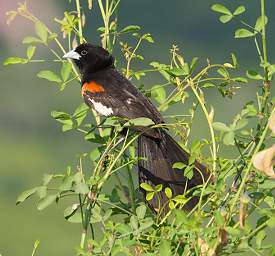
(220, 223)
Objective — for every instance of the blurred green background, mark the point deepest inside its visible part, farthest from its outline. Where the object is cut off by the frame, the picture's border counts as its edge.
(31, 142)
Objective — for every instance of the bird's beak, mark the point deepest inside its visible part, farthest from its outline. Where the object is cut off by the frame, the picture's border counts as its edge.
(72, 55)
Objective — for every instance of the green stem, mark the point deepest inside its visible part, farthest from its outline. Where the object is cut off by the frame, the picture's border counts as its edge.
(131, 189)
(209, 121)
(79, 21)
(263, 31)
(131, 57)
(83, 238)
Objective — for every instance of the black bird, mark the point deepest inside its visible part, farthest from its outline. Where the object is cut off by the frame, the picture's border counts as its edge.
(111, 94)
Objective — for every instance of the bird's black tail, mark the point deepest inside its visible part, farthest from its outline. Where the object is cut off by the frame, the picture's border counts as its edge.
(155, 168)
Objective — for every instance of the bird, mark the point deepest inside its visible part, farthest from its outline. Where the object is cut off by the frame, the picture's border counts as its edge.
(109, 93)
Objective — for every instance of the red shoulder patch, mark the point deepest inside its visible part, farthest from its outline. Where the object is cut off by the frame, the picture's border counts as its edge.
(92, 87)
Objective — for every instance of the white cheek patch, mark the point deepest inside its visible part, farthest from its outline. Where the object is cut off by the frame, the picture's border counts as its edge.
(100, 108)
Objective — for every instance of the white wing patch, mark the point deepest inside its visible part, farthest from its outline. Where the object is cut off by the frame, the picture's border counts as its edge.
(100, 108)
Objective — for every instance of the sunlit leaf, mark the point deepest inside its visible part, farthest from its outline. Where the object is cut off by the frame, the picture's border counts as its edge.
(26, 194)
(130, 29)
(158, 93)
(228, 138)
(141, 211)
(225, 18)
(165, 248)
(46, 201)
(140, 121)
(179, 165)
(239, 10)
(168, 192)
(31, 40)
(15, 60)
(49, 75)
(66, 70)
(243, 33)
(221, 9)
(30, 51)
(254, 75)
(146, 187)
(218, 126)
(260, 23)
(41, 31)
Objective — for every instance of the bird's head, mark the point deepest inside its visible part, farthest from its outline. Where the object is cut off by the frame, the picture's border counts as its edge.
(90, 58)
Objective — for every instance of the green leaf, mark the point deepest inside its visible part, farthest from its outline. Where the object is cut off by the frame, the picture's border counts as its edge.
(71, 214)
(221, 9)
(95, 154)
(271, 69)
(239, 10)
(148, 222)
(218, 126)
(148, 38)
(178, 71)
(140, 121)
(261, 235)
(271, 222)
(150, 196)
(171, 205)
(158, 93)
(31, 40)
(26, 194)
(141, 211)
(222, 72)
(165, 248)
(146, 187)
(268, 184)
(218, 218)
(30, 51)
(193, 65)
(66, 70)
(243, 33)
(158, 187)
(168, 192)
(66, 184)
(80, 113)
(241, 124)
(240, 80)
(225, 18)
(134, 222)
(181, 199)
(208, 85)
(234, 60)
(252, 74)
(188, 172)
(61, 117)
(49, 75)
(260, 24)
(123, 228)
(81, 188)
(228, 138)
(15, 60)
(232, 231)
(45, 202)
(41, 191)
(130, 29)
(179, 165)
(41, 31)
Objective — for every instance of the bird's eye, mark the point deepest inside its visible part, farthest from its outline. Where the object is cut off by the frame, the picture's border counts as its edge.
(84, 52)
